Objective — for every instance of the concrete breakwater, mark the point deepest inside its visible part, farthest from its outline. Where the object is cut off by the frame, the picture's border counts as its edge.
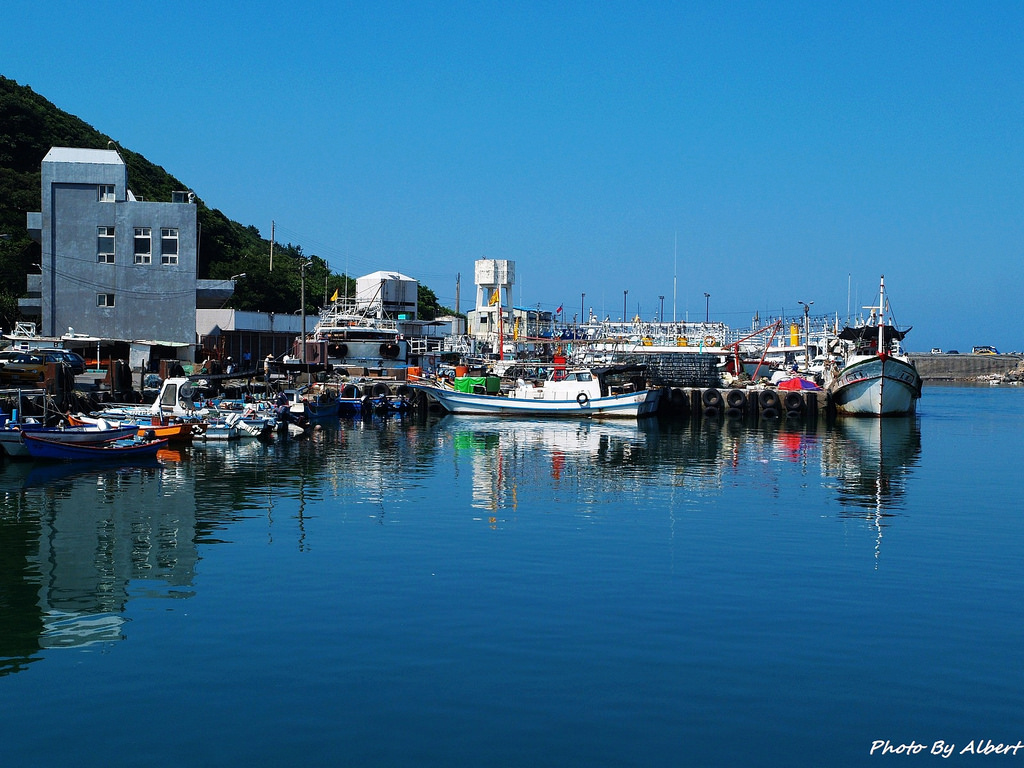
(943, 367)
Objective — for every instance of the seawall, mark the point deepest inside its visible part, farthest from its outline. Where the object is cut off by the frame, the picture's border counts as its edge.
(964, 367)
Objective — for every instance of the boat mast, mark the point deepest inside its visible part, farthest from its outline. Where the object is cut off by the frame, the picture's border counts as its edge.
(881, 315)
(881, 342)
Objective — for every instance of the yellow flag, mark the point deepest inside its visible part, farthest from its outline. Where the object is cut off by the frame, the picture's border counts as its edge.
(495, 296)
(335, 296)
(515, 330)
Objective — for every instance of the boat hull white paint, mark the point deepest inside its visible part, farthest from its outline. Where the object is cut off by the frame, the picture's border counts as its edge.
(632, 405)
(877, 385)
(12, 443)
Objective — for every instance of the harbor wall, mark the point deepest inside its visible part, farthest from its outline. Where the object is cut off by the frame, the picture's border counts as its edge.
(698, 370)
(942, 367)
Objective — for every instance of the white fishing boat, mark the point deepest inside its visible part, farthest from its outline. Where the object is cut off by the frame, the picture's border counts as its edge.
(576, 393)
(176, 400)
(347, 336)
(877, 377)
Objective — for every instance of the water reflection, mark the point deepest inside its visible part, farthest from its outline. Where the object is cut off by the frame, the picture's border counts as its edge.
(871, 459)
(578, 459)
(77, 543)
(865, 461)
(74, 539)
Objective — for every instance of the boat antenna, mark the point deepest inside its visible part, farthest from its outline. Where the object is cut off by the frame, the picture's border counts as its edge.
(849, 278)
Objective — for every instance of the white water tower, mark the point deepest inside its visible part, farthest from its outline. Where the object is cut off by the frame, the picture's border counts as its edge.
(494, 275)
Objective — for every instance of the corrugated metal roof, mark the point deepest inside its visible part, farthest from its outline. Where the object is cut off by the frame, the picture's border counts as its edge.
(79, 155)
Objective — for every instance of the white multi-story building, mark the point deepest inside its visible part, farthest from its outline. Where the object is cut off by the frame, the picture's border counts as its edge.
(114, 266)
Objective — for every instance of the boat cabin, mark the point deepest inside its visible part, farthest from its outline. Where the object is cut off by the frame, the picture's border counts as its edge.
(582, 384)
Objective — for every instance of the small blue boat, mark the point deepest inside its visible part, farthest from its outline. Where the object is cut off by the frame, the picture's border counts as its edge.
(117, 450)
(13, 444)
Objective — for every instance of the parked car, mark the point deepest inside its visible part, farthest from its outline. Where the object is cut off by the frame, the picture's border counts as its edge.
(45, 355)
(953, 352)
(17, 367)
(54, 355)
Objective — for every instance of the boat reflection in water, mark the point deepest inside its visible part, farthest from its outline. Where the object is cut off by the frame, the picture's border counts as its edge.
(872, 459)
(589, 457)
(81, 542)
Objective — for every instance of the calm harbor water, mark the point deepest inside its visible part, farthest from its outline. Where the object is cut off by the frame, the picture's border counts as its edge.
(464, 592)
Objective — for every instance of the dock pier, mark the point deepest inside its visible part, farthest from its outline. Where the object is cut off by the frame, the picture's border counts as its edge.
(742, 403)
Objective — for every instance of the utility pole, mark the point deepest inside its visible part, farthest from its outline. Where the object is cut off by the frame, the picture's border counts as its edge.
(302, 291)
(807, 334)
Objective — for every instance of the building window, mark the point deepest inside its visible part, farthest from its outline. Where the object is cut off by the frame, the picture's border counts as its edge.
(104, 299)
(106, 193)
(105, 245)
(168, 246)
(143, 245)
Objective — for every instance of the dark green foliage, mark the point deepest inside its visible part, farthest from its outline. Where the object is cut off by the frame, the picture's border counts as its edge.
(30, 125)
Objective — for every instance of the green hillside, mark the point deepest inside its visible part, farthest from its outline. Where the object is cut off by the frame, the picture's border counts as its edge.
(30, 125)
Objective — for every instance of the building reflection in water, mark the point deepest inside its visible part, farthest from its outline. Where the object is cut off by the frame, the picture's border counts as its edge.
(74, 541)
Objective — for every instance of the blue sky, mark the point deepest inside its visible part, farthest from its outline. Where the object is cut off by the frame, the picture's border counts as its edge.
(765, 153)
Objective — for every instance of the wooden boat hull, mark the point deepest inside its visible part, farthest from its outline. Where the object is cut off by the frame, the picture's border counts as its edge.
(879, 385)
(13, 443)
(84, 435)
(174, 433)
(178, 432)
(54, 451)
(631, 405)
